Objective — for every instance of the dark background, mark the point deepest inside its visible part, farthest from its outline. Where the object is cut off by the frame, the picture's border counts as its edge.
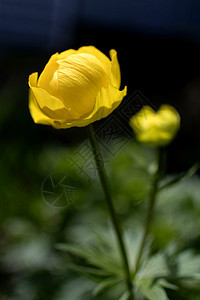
(158, 47)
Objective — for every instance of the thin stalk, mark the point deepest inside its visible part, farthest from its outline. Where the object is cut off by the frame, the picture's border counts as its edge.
(151, 205)
(105, 185)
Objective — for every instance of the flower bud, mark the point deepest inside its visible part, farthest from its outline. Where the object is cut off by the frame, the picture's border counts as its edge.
(156, 128)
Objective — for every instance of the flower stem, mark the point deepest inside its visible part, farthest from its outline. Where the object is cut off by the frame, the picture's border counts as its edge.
(151, 205)
(106, 189)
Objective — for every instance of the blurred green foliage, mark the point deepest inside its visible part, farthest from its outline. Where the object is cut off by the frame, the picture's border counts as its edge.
(33, 232)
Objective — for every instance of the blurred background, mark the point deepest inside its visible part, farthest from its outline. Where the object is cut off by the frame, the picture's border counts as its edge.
(158, 45)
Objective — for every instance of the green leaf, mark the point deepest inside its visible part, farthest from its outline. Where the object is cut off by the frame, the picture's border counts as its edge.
(189, 264)
(125, 296)
(154, 266)
(76, 289)
(104, 285)
(93, 273)
(94, 256)
(166, 284)
(181, 177)
(149, 290)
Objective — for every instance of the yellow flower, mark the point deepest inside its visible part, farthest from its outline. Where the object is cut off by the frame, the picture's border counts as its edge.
(156, 128)
(76, 88)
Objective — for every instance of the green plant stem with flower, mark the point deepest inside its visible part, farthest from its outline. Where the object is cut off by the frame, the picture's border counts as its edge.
(151, 205)
(105, 185)
(79, 87)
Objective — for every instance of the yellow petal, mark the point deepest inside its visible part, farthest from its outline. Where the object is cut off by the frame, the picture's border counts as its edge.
(66, 53)
(144, 119)
(80, 77)
(48, 72)
(36, 113)
(154, 137)
(98, 54)
(168, 118)
(115, 75)
(32, 81)
(107, 100)
(89, 50)
(49, 105)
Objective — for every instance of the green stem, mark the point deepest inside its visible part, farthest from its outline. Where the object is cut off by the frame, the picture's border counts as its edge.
(152, 198)
(106, 189)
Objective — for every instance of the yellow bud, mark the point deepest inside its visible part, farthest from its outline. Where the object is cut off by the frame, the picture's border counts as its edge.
(76, 88)
(156, 128)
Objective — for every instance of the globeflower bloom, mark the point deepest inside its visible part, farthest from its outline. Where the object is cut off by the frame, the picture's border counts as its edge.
(156, 128)
(76, 88)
